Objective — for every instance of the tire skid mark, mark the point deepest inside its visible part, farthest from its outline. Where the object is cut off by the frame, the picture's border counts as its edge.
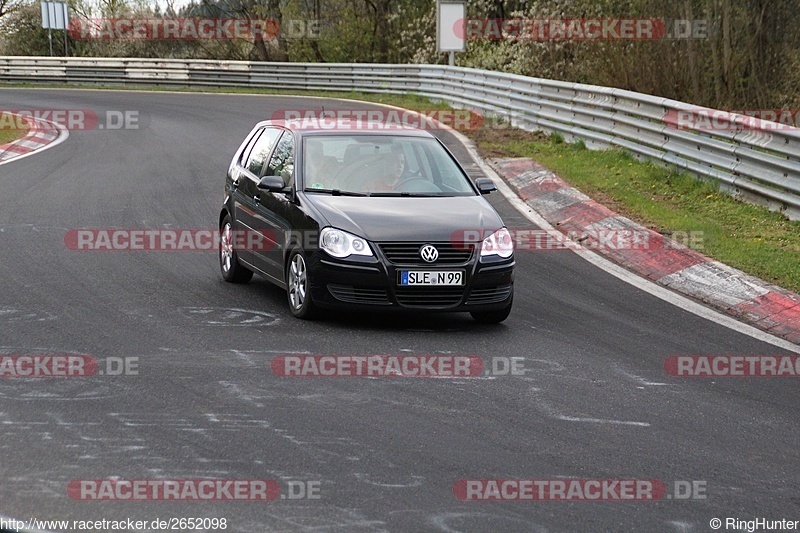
(229, 317)
(550, 411)
(638, 379)
(11, 314)
(482, 521)
(380, 481)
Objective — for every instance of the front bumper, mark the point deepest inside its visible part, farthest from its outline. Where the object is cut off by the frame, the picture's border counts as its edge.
(370, 283)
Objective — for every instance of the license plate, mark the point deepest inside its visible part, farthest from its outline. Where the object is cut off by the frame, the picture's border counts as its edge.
(430, 277)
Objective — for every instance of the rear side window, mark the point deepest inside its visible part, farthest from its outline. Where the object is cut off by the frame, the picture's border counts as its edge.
(282, 162)
(261, 150)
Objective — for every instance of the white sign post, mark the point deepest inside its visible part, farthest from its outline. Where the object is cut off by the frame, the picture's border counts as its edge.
(55, 17)
(451, 27)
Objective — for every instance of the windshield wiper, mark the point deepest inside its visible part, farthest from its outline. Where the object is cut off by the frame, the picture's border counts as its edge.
(337, 192)
(404, 194)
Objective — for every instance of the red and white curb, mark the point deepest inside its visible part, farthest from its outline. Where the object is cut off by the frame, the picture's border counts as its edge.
(42, 134)
(686, 271)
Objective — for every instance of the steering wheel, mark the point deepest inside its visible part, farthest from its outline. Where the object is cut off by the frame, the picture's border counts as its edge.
(410, 174)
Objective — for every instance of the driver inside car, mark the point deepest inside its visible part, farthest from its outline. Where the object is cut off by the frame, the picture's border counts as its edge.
(391, 172)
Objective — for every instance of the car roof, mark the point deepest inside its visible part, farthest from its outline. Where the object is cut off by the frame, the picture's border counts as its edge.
(345, 127)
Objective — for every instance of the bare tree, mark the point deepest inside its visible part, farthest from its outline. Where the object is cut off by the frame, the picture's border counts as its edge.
(9, 6)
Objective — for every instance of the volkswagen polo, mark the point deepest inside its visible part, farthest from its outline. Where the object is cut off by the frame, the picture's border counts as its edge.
(355, 217)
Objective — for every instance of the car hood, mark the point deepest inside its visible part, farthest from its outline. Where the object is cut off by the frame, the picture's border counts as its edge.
(407, 219)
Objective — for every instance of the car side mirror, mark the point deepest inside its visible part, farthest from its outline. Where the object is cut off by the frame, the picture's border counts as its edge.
(271, 183)
(485, 185)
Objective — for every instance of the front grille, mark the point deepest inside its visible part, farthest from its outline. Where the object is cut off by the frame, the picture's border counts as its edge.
(489, 295)
(359, 295)
(429, 296)
(407, 253)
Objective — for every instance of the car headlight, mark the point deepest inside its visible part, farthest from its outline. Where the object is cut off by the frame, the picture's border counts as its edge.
(341, 244)
(498, 243)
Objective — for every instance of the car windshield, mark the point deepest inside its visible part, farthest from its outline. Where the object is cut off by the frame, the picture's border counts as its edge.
(380, 165)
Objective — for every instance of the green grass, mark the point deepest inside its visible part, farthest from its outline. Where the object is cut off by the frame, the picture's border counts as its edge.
(750, 238)
(10, 133)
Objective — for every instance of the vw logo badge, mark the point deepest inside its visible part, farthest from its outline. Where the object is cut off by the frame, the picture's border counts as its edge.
(428, 253)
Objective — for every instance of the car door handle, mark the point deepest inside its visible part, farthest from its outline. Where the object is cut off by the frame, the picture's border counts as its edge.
(257, 198)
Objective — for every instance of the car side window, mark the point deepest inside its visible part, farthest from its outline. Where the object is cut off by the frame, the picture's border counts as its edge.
(282, 162)
(249, 148)
(261, 150)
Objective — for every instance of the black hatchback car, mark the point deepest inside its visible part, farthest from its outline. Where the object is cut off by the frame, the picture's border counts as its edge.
(364, 218)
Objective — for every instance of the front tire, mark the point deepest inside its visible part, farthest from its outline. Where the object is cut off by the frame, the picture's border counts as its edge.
(298, 286)
(493, 317)
(232, 270)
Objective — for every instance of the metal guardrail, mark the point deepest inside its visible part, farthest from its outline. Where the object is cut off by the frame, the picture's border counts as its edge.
(758, 161)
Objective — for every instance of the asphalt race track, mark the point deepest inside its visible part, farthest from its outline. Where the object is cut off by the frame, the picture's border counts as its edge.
(594, 401)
